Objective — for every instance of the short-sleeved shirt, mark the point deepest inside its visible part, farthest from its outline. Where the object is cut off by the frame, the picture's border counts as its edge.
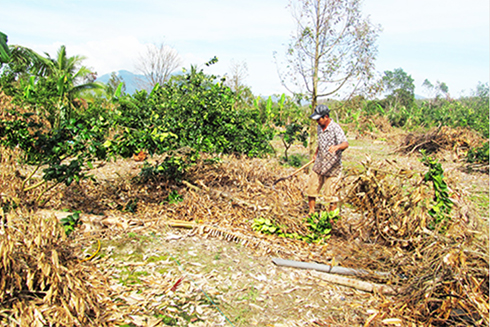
(328, 164)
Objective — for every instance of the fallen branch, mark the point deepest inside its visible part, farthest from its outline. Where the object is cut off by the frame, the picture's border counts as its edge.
(357, 284)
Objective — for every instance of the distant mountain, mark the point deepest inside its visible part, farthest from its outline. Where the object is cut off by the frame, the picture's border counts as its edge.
(130, 79)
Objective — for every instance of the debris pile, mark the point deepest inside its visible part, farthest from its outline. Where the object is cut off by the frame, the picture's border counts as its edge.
(44, 282)
(457, 140)
(441, 273)
(221, 199)
(392, 201)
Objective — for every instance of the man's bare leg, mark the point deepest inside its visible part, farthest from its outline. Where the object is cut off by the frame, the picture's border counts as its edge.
(311, 204)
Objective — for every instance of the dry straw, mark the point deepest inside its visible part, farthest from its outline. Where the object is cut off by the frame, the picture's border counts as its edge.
(441, 274)
(42, 281)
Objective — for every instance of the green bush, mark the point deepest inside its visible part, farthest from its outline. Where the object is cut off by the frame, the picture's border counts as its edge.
(479, 155)
(192, 110)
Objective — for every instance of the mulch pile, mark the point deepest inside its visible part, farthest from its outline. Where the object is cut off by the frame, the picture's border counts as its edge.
(457, 140)
(441, 274)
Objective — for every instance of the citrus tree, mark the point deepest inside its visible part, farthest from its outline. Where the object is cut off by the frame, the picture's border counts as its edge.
(192, 110)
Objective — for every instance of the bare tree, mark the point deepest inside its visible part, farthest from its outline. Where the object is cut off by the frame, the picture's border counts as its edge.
(239, 72)
(156, 65)
(333, 47)
(236, 82)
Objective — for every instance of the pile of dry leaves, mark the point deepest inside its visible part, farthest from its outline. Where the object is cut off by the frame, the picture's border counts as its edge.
(457, 140)
(441, 274)
(44, 281)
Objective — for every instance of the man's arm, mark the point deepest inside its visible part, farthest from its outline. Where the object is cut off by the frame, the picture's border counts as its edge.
(342, 146)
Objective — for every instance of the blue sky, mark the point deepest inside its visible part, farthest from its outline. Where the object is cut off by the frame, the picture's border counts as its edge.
(439, 40)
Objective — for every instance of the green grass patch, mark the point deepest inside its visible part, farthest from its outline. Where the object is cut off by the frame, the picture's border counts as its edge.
(157, 258)
(481, 199)
(129, 277)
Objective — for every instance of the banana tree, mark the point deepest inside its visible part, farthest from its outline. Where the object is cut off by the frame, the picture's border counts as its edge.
(4, 49)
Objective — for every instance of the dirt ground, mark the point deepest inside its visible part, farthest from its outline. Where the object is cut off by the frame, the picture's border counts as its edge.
(174, 276)
(222, 284)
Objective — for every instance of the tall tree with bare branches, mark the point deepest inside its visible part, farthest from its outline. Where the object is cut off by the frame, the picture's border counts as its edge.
(236, 82)
(156, 64)
(332, 48)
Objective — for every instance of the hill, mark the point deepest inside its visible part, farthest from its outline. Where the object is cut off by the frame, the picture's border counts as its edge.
(129, 78)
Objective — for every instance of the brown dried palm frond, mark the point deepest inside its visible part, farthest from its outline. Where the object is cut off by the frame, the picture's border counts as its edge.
(43, 281)
(441, 274)
(392, 201)
(458, 140)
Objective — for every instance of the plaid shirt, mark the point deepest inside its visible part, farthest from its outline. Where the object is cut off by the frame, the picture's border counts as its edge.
(328, 164)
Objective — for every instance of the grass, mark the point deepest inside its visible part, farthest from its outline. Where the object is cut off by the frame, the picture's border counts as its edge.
(481, 199)
(129, 277)
(157, 258)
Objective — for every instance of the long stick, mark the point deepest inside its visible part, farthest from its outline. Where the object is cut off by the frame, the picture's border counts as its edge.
(354, 283)
(297, 171)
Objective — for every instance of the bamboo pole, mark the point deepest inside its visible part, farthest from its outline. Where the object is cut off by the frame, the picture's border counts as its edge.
(319, 270)
(357, 284)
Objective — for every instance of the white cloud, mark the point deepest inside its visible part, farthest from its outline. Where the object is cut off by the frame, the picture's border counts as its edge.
(110, 55)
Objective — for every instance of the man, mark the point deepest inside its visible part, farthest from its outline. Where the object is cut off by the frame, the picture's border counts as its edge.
(327, 169)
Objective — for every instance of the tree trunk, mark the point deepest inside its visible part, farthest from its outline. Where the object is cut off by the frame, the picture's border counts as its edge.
(314, 91)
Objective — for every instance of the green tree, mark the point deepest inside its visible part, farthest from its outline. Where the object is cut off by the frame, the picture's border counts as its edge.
(16, 64)
(50, 85)
(192, 110)
(333, 47)
(115, 86)
(402, 97)
(71, 79)
(398, 79)
(293, 132)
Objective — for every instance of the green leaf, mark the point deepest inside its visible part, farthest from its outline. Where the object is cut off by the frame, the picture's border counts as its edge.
(4, 49)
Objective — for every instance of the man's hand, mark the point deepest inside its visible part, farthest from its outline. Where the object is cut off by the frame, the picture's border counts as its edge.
(334, 148)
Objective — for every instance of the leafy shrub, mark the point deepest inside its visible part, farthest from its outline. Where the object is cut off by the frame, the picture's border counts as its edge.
(70, 222)
(442, 203)
(191, 110)
(266, 226)
(174, 197)
(295, 160)
(66, 150)
(479, 155)
(173, 167)
(321, 224)
(294, 132)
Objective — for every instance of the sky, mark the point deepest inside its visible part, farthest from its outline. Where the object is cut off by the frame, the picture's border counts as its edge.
(438, 40)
